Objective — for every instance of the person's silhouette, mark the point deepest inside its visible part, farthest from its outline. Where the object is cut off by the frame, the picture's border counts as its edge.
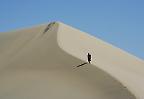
(89, 57)
(89, 60)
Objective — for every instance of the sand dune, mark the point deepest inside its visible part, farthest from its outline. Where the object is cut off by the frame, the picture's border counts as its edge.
(41, 63)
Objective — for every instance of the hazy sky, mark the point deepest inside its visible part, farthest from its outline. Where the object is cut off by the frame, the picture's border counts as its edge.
(119, 22)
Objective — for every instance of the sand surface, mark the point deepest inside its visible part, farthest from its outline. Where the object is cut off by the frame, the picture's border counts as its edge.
(40, 63)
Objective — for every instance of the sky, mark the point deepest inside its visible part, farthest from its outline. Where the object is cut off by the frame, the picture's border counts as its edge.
(119, 22)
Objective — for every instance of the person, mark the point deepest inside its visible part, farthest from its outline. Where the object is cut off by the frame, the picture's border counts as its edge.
(89, 58)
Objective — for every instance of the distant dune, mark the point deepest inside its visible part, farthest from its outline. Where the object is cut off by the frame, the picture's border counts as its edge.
(50, 62)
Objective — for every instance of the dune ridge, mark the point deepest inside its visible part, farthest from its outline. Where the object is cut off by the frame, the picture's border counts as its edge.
(39, 63)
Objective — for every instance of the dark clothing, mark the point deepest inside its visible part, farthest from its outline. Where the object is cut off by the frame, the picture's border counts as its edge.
(89, 58)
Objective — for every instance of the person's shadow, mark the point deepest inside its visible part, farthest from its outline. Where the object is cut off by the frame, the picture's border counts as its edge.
(89, 60)
(81, 64)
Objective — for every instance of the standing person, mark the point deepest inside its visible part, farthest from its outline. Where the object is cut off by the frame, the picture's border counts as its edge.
(89, 57)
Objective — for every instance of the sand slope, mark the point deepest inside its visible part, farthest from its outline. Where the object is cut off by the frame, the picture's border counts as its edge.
(39, 63)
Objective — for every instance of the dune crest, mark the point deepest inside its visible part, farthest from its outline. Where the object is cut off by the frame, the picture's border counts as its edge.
(41, 63)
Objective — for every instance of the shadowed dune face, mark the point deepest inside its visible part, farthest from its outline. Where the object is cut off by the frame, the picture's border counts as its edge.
(80, 83)
(33, 66)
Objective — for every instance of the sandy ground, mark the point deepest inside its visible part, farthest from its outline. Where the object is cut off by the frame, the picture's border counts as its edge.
(40, 63)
